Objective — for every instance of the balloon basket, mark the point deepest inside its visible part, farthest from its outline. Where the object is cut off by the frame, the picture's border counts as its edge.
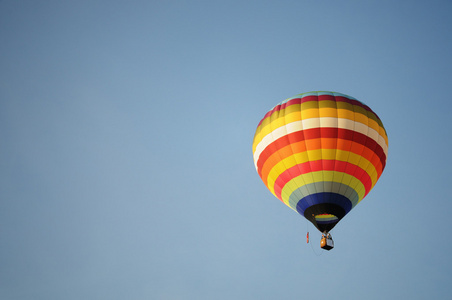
(327, 242)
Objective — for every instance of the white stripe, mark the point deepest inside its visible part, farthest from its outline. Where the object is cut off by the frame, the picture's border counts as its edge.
(318, 123)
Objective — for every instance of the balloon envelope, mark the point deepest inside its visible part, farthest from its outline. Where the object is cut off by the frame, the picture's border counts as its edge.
(320, 153)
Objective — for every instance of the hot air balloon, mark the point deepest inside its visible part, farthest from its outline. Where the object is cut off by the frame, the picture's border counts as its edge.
(320, 153)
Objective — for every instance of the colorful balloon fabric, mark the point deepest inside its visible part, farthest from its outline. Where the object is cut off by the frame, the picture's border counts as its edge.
(320, 153)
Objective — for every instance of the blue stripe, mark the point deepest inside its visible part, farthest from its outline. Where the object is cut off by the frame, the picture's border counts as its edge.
(320, 187)
(324, 197)
(327, 222)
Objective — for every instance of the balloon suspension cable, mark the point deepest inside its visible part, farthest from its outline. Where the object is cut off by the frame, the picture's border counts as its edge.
(309, 241)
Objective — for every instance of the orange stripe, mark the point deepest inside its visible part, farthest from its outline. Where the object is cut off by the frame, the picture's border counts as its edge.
(320, 143)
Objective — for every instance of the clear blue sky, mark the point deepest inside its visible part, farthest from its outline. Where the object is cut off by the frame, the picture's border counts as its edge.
(126, 168)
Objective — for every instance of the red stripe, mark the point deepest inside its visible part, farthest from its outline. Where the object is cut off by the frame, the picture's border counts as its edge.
(322, 165)
(315, 133)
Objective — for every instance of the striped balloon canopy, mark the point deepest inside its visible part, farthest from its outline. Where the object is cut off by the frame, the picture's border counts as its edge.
(320, 153)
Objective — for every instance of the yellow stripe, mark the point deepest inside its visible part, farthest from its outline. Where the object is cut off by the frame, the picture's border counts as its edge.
(324, 217)
(313, 155)
(292, 185)
(289, 188)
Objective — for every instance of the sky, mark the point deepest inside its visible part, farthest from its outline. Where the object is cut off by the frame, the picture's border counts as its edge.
(126, 166)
